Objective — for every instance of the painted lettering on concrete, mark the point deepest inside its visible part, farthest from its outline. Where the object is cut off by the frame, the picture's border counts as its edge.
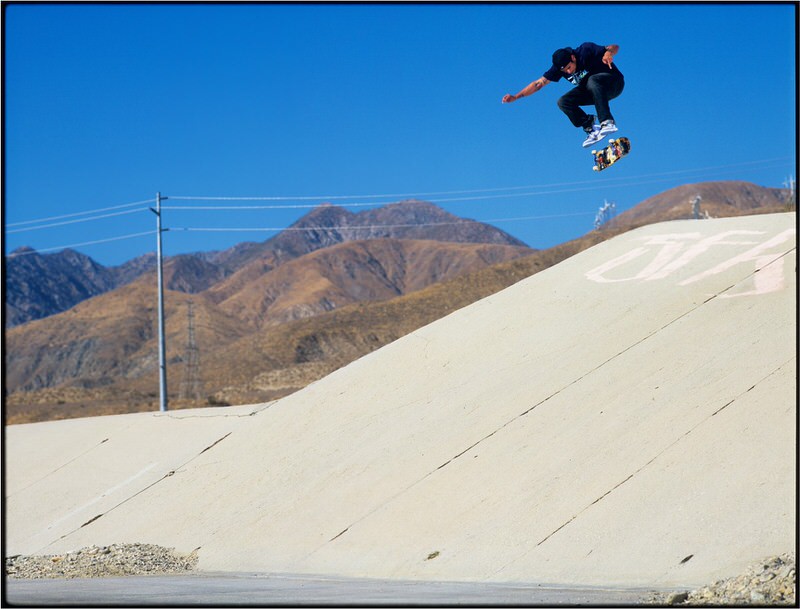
(661, 257)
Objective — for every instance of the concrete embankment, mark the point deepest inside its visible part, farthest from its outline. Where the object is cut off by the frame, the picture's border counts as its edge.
(627, 417)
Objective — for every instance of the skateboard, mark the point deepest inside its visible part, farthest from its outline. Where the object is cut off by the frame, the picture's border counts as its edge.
(612, 153)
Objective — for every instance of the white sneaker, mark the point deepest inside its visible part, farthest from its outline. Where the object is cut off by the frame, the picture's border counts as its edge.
(593, 137)
(607, 127)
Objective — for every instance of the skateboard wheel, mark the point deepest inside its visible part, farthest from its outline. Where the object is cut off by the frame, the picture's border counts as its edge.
(596, 168)
(594, 152)
(611, 141)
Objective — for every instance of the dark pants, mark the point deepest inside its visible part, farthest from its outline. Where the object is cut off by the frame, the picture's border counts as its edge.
(597, 90)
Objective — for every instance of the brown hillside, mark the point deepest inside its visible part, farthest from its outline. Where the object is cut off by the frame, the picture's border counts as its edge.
(718, 200)
(351, 272)
(104, 349)
(38, 286)
(191, 274)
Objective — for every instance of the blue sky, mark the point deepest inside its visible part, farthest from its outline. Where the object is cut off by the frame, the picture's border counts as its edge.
(298, 104)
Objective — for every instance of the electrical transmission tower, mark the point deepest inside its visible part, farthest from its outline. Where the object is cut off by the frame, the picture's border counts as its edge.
(605, 214)
(790, 183)
(191, 386)
(696, 207)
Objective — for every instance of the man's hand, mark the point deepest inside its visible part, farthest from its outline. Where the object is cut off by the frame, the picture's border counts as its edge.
(608, 56)
(532, 88)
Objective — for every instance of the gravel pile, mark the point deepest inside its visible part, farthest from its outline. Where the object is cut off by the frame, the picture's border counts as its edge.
(768, 582)
(106, 561)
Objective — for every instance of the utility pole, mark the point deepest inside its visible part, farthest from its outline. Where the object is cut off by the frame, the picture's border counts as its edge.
(162, 356)
(190, 387)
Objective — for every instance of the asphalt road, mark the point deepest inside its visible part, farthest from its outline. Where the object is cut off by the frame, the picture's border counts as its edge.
(265, 590)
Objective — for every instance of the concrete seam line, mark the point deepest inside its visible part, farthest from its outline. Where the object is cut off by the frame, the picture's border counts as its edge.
(62, 466)
(143, 490)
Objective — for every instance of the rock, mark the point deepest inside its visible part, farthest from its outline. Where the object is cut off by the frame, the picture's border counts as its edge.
(677, 597)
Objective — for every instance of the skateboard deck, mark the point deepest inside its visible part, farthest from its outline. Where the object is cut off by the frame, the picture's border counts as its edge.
(606, 157)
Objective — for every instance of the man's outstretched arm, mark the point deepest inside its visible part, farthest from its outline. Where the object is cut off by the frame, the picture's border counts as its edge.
(532, 88)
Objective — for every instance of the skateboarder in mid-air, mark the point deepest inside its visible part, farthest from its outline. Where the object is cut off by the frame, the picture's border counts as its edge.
(590, 67)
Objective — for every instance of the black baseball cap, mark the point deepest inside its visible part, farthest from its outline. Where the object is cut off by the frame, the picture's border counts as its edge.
(562, 57)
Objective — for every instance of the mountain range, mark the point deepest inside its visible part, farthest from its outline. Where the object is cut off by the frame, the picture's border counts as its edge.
(268, 318)
(41, 285)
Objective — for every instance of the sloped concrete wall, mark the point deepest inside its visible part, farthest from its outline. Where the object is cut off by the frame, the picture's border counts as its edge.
(625, 417)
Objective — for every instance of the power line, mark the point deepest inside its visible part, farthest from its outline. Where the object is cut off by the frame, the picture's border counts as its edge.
(546, 217)
(100, 217)
(300, 229)
(337, 197)
(80, 213)
(371, 204)
(447, 192)
(384, 195)
(61, 247)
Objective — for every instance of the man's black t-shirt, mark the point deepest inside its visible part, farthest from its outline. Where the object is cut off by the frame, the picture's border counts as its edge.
(589, 60)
